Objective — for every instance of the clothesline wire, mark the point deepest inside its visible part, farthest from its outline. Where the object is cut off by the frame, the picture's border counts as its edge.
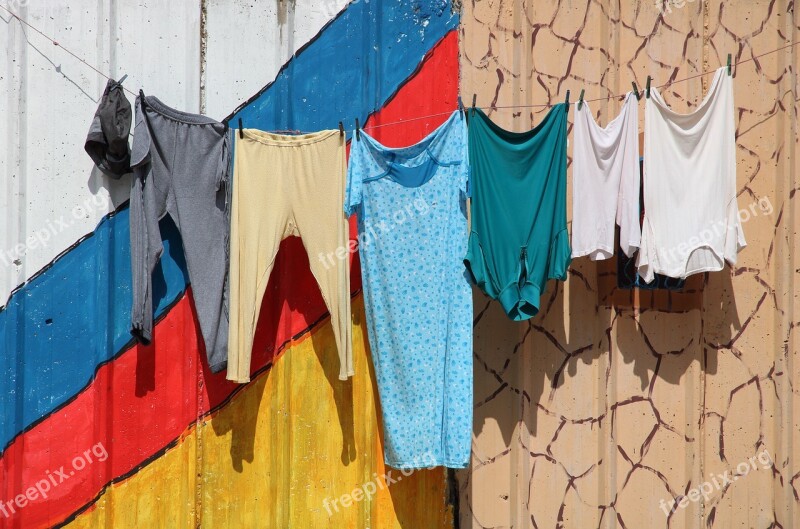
(546, 105)
(408, 119)
(56, 43)
(667, 84)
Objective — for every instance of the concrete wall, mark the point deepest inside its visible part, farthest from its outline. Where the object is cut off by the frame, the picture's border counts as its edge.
(607, 402)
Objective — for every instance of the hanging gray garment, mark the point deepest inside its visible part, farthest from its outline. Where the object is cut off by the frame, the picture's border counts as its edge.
(107, 141)
(180, 165)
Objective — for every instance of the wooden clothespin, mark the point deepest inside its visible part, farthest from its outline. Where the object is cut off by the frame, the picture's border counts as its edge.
(341, 129)
(729, 64)
(122, 79)
(636, 90)
(474, 102)
(460, 104)
(580, 101)
(358, 130)
(566, 99)
(648, 86)
(241, 130)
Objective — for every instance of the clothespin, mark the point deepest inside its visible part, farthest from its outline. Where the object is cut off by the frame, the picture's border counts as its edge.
(121, 79)
(636, 90)
(141, 97)
(358, 130)
(341, 129)
(241, 131)
(460, 104)
(566, 99)
(729, 64)
(474, 101)
(580, 101)
(648, 86)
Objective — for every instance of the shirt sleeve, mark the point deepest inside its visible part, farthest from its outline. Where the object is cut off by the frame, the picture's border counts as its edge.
(355, 177)
(630, 234)
(466, 170)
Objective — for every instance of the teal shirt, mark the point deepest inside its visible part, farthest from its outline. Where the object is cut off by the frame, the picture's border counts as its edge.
(518, 184)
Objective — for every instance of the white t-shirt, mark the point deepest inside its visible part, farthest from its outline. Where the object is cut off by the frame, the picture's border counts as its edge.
(605, 182)
(691, 218)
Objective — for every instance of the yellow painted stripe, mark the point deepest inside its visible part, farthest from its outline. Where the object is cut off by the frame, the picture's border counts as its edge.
(280, 455)
(160, 495)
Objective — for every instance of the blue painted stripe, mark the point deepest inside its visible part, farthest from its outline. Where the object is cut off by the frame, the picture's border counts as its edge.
(354, 66)
(59, 327)
(66, 322)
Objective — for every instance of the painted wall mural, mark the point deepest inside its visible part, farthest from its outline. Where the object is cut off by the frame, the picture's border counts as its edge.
(109, 433)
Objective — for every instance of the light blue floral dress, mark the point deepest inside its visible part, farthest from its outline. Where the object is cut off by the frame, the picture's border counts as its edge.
(412, 234)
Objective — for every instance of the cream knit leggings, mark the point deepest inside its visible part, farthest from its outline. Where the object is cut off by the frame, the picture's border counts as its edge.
(282, 186)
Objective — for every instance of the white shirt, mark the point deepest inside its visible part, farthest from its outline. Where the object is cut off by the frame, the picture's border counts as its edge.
(605, 182)
(691, 218)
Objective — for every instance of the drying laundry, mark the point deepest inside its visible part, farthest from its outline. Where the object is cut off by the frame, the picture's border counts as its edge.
(518, 184)
(180, 167)
(412, 224)
(107, 141)
(283, 186)
(605, 182)
(691, 218)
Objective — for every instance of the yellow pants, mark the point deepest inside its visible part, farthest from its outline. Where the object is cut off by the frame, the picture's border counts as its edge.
(282, 186)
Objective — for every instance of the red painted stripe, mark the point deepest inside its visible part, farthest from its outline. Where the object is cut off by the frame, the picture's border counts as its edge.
(147, 397)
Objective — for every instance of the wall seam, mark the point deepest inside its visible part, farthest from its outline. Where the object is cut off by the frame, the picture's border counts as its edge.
(199, 383)
(701, 423)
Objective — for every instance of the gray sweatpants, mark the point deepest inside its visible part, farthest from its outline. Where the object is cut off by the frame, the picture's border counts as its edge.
(180, 166)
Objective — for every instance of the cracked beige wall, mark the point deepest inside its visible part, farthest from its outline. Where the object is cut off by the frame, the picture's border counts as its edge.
(593, 412)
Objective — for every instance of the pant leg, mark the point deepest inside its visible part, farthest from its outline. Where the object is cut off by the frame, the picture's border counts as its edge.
(259, 222)
(318, 180)
(147, 205)
(197, 206)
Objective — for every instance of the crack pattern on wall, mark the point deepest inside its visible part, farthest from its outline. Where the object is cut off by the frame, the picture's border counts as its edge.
(595, 415)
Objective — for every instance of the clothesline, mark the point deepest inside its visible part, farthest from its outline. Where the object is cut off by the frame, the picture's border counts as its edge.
(56, 43)
(494, 107)
(665, 85)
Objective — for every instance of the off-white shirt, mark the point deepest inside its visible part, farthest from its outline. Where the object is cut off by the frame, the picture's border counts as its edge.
(691, 218)
(605, 182)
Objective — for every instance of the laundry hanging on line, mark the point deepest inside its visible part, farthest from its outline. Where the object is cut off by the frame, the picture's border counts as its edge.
(180, 167)
(107, 141)
(605, 182)
(691, 217)
(287, 185)
(419, 309)
(417, 298)
(518, 188)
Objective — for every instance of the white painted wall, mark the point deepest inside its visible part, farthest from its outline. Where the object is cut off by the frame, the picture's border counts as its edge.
(47, 102)
(244, 51)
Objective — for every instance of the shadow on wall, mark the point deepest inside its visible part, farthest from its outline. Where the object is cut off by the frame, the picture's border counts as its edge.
(522, 368)
(290, 275)
(118, 190)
